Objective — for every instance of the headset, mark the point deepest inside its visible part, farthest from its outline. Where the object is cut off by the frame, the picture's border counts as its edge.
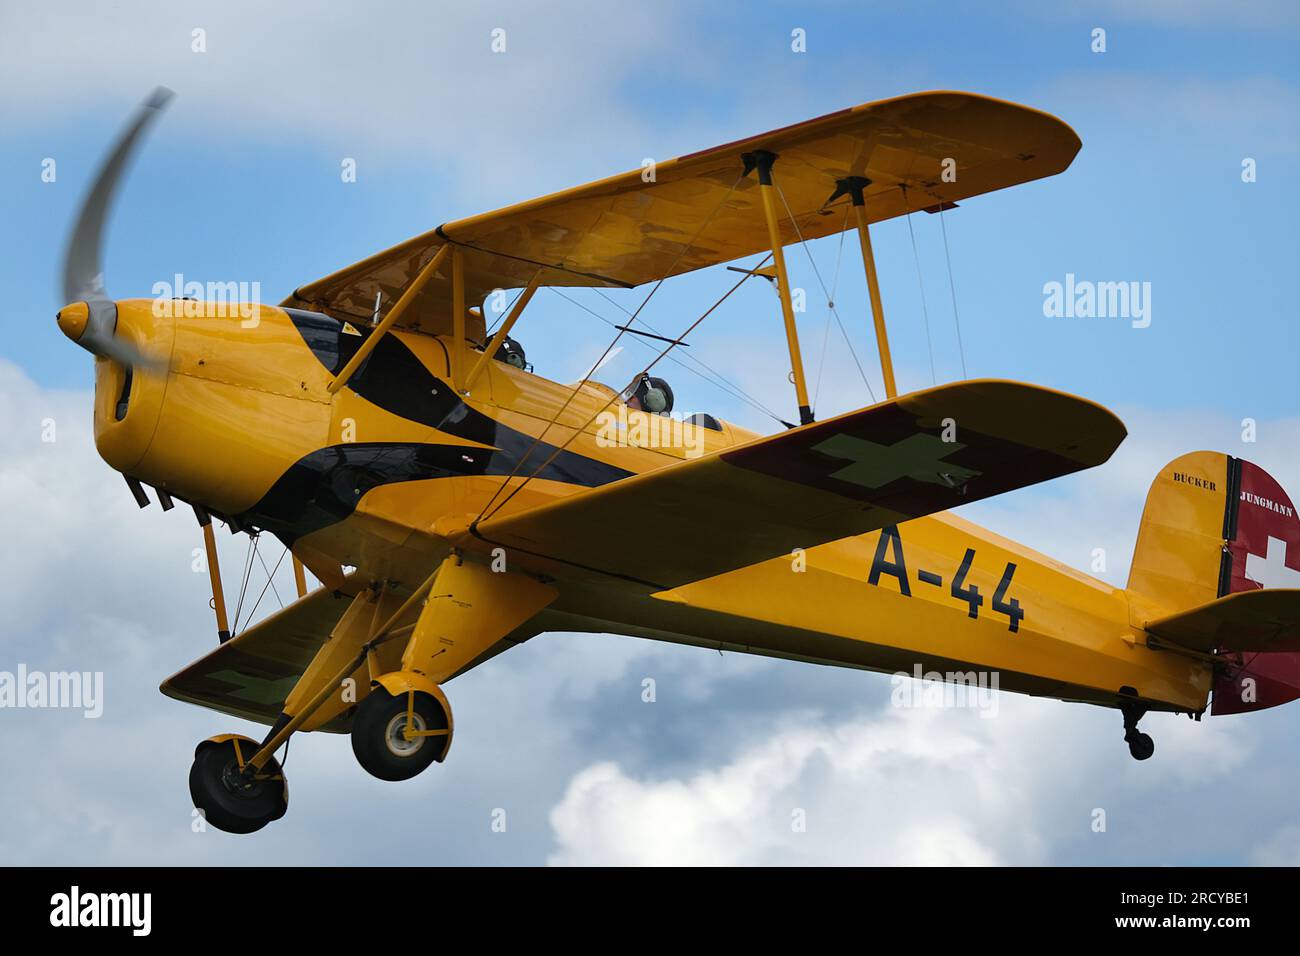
(512, 353)
(653, 394)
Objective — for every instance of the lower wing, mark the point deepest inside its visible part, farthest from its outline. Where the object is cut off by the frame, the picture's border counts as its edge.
(250, 675)
(911, 456)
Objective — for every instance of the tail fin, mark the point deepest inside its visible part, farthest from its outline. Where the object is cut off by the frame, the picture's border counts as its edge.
(1215, 525)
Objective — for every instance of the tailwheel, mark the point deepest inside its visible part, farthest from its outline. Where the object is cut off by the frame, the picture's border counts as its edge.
(394, 737)
(1140, 745)
(233, 795)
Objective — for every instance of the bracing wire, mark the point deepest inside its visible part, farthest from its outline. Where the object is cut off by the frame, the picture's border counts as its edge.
(956, 321)
(501, 318)
(717, 381)
(830, 305)
(270, 579)
(248, 573)
(484, 513)
(925, 312)
(829, 298)
(579, 385)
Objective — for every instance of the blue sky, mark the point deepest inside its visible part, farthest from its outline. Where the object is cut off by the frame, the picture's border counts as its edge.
(240, 181)
(1166, 116)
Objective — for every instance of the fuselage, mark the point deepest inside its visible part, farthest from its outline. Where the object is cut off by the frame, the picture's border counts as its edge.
(386, 476)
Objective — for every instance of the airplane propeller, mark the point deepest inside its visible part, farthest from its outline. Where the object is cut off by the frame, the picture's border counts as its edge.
(91, 317)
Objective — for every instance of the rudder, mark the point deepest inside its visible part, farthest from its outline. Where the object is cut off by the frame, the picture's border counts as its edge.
(1215, 525)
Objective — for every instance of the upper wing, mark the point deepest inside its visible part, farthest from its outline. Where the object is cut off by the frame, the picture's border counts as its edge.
(1265, 620)
(625, 230)
(820, 482)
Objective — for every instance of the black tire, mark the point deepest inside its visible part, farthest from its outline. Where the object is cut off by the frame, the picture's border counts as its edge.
(1141, 746)
(229, 802)
(377, 741)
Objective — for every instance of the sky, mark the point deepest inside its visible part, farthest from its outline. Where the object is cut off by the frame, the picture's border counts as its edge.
(240, 181)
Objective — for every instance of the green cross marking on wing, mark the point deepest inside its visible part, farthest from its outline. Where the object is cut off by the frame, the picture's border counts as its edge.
(920, 457)
(260, 690)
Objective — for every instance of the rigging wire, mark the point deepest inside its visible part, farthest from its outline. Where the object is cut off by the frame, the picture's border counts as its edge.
(956, 321)
(717, 381)
(270, 582)
(709, 374)
(488, 332)
(484, 513)
(248, 572)
(925, 311)
(573, 393)
(830, 301)
(721, 380)
(270, 579)
(826, 331)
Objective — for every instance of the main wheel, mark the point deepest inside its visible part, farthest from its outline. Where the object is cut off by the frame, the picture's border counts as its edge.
(379, 740)
(230, 800)
(1141, 746)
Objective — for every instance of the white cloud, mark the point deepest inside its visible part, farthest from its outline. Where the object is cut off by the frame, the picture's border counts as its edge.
(415, 83)
(1102, 507)
(923, 787)
(945, 788)
(711, 772)
(1281, 849)
(93, 583)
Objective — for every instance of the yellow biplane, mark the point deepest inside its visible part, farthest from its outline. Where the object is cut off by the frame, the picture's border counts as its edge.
(454, 504)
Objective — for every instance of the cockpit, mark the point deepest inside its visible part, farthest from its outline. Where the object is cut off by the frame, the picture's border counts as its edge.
(646, 393)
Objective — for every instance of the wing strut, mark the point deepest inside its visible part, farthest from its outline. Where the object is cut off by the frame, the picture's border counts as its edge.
(393, 315)
(762, 160)
(457, 361)
(299, 576)
(854, 185)
(214, 573)
(520, 304)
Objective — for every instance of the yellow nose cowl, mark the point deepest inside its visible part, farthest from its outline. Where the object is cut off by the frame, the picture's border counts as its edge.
(72, 319)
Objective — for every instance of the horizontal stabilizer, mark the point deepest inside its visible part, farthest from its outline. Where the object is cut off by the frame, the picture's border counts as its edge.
(1261, 620)
(901, 459)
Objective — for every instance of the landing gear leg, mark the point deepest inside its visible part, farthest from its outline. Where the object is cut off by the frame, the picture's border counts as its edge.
(405, 724)
(1140, 745)
(236, 782)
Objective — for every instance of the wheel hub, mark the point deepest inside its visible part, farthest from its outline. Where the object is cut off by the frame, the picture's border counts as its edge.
(395, 735)
(234, 780)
